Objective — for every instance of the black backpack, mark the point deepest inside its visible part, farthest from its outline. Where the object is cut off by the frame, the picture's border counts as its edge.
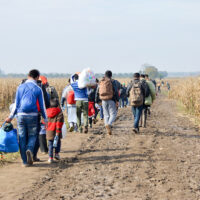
(146, 87)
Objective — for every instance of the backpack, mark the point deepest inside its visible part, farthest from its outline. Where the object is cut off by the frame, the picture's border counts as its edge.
(136, 96)
(146, 87)
(52, 93)
(28, 100)
(70, 98)
(106, 89)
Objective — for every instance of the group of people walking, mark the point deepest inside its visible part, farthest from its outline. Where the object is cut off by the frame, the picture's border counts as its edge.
(40, 112)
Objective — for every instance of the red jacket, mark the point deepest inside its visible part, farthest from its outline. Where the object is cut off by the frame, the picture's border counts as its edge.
(55, 122)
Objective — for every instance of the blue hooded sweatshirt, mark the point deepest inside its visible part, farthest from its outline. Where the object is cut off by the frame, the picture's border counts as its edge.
(27, 96)
(80, 94)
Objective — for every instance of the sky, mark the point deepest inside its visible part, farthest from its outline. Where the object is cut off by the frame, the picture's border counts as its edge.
(66, 36)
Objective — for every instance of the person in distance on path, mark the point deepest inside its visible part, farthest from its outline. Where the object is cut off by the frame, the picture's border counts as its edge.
(136, 92)
(107, 92)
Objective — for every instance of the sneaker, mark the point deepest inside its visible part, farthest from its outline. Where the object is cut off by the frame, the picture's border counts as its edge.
(50, 160)
(90, 125)
(29, 156)
(86, 129)
(36, 159)
(25, 165)
(108, 128)
(57, 156)
(136, 130)
(71, 129)
(94, 121)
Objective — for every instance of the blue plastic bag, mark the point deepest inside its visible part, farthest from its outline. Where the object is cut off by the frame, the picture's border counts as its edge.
(8, 141)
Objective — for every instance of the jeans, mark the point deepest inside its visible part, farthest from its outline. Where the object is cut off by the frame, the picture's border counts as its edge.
(137, 111)
(28, 130)
(57, 149)
(82, 107)
(37, 142)
(101, 112)
(110, 111)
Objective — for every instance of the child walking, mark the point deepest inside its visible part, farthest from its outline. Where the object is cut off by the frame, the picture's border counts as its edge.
(54, 129)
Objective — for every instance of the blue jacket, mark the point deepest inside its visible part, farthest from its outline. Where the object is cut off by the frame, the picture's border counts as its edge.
(80, 94)
(27, 96)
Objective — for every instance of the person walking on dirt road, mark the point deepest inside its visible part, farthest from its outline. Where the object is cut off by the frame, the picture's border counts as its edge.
(27, 96)
(136, 92)
(150, 96)
(81, 98)
(107, 92)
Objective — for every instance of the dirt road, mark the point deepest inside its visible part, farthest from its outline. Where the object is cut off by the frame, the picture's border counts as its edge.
(162, 163)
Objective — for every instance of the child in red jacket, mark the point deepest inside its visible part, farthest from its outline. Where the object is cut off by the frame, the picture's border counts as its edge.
(54, 129)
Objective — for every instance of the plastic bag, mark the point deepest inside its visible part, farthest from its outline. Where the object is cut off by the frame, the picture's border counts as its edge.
(8, 141)
(86, 79)
(64, 131)
(148, 100)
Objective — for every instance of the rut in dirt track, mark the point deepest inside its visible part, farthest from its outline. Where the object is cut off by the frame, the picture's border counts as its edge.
(160, 163)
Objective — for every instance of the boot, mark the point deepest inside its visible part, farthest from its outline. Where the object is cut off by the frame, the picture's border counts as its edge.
(108, 128)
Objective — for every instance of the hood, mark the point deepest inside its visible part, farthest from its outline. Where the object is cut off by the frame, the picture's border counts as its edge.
(44, 80)
(52, 112)
(72, 79)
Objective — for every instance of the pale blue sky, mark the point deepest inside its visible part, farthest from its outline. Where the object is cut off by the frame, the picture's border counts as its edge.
(68, 35)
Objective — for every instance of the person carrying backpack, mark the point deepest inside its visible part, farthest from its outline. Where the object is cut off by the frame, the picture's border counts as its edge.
(81, 98)
(136, 92)
(107, 92)
(149, 98)
(68, 97)
(27, 112)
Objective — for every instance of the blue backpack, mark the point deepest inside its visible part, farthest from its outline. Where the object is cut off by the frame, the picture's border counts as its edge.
(8, 140)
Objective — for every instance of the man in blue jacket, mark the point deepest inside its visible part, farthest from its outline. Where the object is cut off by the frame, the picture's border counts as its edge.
(81, 98)
(28, 96)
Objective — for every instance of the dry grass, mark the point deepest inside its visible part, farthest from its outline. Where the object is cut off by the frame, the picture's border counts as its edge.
(187, 91)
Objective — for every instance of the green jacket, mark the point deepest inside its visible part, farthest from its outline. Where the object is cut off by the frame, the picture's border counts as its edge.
(149, 100)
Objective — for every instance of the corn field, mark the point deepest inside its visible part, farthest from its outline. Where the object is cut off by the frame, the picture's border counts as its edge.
(187, 91)
(8, 87)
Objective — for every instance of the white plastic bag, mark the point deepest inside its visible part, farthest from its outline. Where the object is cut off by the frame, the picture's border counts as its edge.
(64, 131)
(86, 78)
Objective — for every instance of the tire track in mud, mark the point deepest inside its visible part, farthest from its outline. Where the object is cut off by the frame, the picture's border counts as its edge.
(160, 163)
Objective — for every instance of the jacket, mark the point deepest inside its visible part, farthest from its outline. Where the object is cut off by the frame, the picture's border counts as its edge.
(91, 94)
(55, 123)
(80, 94)
(65, 92)
(115, 91)
(27, 96)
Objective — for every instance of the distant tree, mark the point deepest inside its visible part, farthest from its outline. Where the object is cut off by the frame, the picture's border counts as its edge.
(151, 71)
(162, 74)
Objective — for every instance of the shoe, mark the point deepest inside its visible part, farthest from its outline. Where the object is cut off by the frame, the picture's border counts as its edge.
(71, 129)
(25, 165)
(94, 121)
(29, 156)
(108, 128)
(36, 159)
(136, 130)
(50, 160)
(86, 129)
(57, 156)
(90, 125)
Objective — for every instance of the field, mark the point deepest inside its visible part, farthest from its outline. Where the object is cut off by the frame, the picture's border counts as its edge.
(187, 92)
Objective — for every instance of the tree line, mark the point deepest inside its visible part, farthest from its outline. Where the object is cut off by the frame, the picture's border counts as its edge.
(150, 70)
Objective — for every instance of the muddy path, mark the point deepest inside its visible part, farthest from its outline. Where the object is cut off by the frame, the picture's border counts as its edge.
(161, 163)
